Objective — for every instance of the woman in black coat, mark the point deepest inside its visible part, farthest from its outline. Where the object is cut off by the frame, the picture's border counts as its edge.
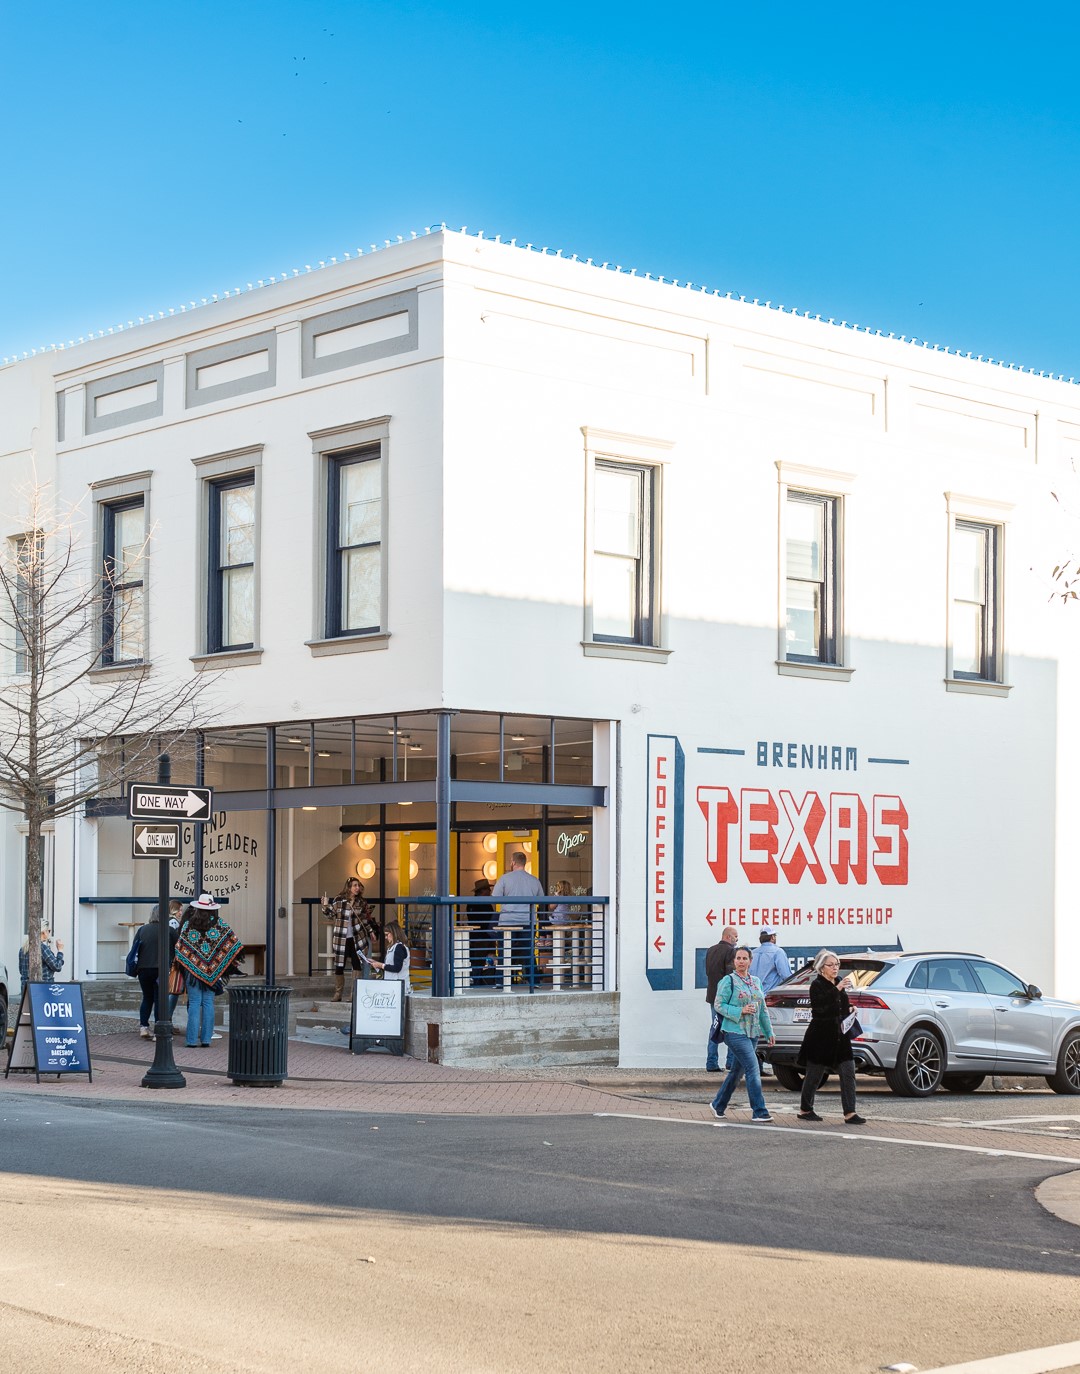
(826, 1047)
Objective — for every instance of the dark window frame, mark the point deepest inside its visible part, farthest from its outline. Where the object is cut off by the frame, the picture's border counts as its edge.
(109, 584)
(215, 638)
(336, 551)
(990, 629)
(645, 581)
(829, 582)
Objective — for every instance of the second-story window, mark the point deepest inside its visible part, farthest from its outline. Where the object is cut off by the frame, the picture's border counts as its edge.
(231, 549)
(622, 564)
(354, 543)
(811, 571)
(973, 620)
(123, 603)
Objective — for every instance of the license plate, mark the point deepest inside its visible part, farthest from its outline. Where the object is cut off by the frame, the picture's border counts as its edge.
(800, 1014)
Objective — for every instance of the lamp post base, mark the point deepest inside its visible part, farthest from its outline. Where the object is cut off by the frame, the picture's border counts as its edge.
(163, 1072)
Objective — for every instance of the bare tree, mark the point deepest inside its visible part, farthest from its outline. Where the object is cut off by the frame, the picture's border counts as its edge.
(69, 731)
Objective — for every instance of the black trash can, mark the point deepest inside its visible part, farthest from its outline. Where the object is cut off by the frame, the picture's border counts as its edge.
(258, 1035)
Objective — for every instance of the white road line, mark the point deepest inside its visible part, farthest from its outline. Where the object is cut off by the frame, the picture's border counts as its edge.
(849, 1135)
(1023, 1362)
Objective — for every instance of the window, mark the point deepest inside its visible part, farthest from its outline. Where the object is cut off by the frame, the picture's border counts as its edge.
(950, 975)
(231, 564)
(973, 621)
(354, 543)
(997, 982)
(810, 567)
(28, 555)
(623, 554)
(123, 605)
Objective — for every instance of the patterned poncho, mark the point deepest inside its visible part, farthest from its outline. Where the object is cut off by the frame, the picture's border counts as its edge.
(208, 955)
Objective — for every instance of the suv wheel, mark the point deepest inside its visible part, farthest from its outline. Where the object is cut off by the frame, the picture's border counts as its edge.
(788, 1077)
(3, 1021)
(920, 1065)
(963, 1082)
(1067, 1078)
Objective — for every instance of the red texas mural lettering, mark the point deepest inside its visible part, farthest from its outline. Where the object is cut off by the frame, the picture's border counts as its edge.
(811, 835)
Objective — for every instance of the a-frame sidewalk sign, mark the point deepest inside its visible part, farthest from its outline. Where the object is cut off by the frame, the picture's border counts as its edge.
(50, 1032)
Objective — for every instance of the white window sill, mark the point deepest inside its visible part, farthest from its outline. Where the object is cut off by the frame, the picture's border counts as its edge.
(227, 658)
(824, 672)
(640, 653)
(977, 687)
(347, 644)
(119, 670)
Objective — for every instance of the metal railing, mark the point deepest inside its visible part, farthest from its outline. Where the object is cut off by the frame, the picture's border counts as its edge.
(464, 946)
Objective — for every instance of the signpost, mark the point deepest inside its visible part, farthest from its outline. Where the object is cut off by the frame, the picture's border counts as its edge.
(50, 1032)
(149, 802)
(378, 1016)
(156, 841)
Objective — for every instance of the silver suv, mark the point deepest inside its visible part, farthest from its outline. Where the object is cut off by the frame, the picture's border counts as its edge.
(937, 1020)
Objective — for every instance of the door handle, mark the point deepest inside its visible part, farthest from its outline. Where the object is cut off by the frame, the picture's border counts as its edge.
(1001, 1009)
(942, 1004)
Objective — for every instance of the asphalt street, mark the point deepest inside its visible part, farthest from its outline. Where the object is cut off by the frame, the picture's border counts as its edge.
(465, 1243)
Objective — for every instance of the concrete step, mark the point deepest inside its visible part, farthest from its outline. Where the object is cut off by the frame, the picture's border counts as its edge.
(125, 994)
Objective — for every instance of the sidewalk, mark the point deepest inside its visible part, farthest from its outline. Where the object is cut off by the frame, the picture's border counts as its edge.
(329, 1078)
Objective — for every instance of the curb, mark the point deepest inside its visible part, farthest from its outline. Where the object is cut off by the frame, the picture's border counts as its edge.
(1060, 1195)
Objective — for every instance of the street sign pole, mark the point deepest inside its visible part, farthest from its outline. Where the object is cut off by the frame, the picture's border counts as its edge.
(163, 1073)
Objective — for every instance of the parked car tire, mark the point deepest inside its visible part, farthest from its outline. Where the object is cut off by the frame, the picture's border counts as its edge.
(920, 1065)
(1067, 1078)
(3, 1021)
(791, 1078)
(788, 1077)
(962, 1082)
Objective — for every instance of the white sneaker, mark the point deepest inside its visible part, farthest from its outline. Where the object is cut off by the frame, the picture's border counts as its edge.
(719, 1115)
(144, 1031)
(215, 1036)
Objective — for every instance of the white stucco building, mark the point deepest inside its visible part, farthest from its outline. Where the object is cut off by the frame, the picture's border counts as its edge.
(727, 613)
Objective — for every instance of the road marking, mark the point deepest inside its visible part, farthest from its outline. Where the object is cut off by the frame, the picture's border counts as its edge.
(848, 1135)
(1023, 1362)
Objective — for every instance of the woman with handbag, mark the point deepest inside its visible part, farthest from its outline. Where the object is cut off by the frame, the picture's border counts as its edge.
(207, 951)
(826, 1046)
(744, 1020)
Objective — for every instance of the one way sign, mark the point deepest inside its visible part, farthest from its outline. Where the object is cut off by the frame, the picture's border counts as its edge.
(157, 802)
(156, 841)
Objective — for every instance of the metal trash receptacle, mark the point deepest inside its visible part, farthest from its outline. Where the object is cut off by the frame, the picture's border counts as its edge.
(258, 1035)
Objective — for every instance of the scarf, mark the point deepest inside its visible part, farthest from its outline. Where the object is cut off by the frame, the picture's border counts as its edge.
(207, 956)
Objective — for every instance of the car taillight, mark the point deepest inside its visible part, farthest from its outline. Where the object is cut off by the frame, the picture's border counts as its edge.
(785, 999)
(867, 1001)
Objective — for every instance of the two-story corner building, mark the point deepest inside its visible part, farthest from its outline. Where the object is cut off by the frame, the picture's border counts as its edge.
(718, 612)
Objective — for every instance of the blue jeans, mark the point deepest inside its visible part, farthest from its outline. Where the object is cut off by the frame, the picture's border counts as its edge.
(200, 1012)
(712, 1049)
(742, 1049)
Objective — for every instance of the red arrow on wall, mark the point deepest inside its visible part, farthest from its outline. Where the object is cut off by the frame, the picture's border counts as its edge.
(711, 917)
(659, 944)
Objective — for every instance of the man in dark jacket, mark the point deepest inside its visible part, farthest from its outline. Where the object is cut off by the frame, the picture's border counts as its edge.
(719, 960)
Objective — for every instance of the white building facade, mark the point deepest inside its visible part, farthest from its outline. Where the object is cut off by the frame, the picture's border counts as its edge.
(725, 614)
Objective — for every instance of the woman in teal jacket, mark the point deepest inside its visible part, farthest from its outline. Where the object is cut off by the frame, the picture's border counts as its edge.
(744, 1020)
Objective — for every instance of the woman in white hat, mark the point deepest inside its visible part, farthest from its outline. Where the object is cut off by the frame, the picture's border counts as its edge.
(207, 950)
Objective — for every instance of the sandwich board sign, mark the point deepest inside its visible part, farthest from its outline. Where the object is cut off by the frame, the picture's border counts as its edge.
(50, 1031)
(378, 1016)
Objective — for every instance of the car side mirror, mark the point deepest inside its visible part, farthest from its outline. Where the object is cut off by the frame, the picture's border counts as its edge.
(1033, 992)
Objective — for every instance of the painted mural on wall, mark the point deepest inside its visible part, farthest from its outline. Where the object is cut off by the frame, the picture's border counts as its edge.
(808, 838)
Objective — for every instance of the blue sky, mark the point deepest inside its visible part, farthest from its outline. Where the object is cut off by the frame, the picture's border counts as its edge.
(912, 169)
